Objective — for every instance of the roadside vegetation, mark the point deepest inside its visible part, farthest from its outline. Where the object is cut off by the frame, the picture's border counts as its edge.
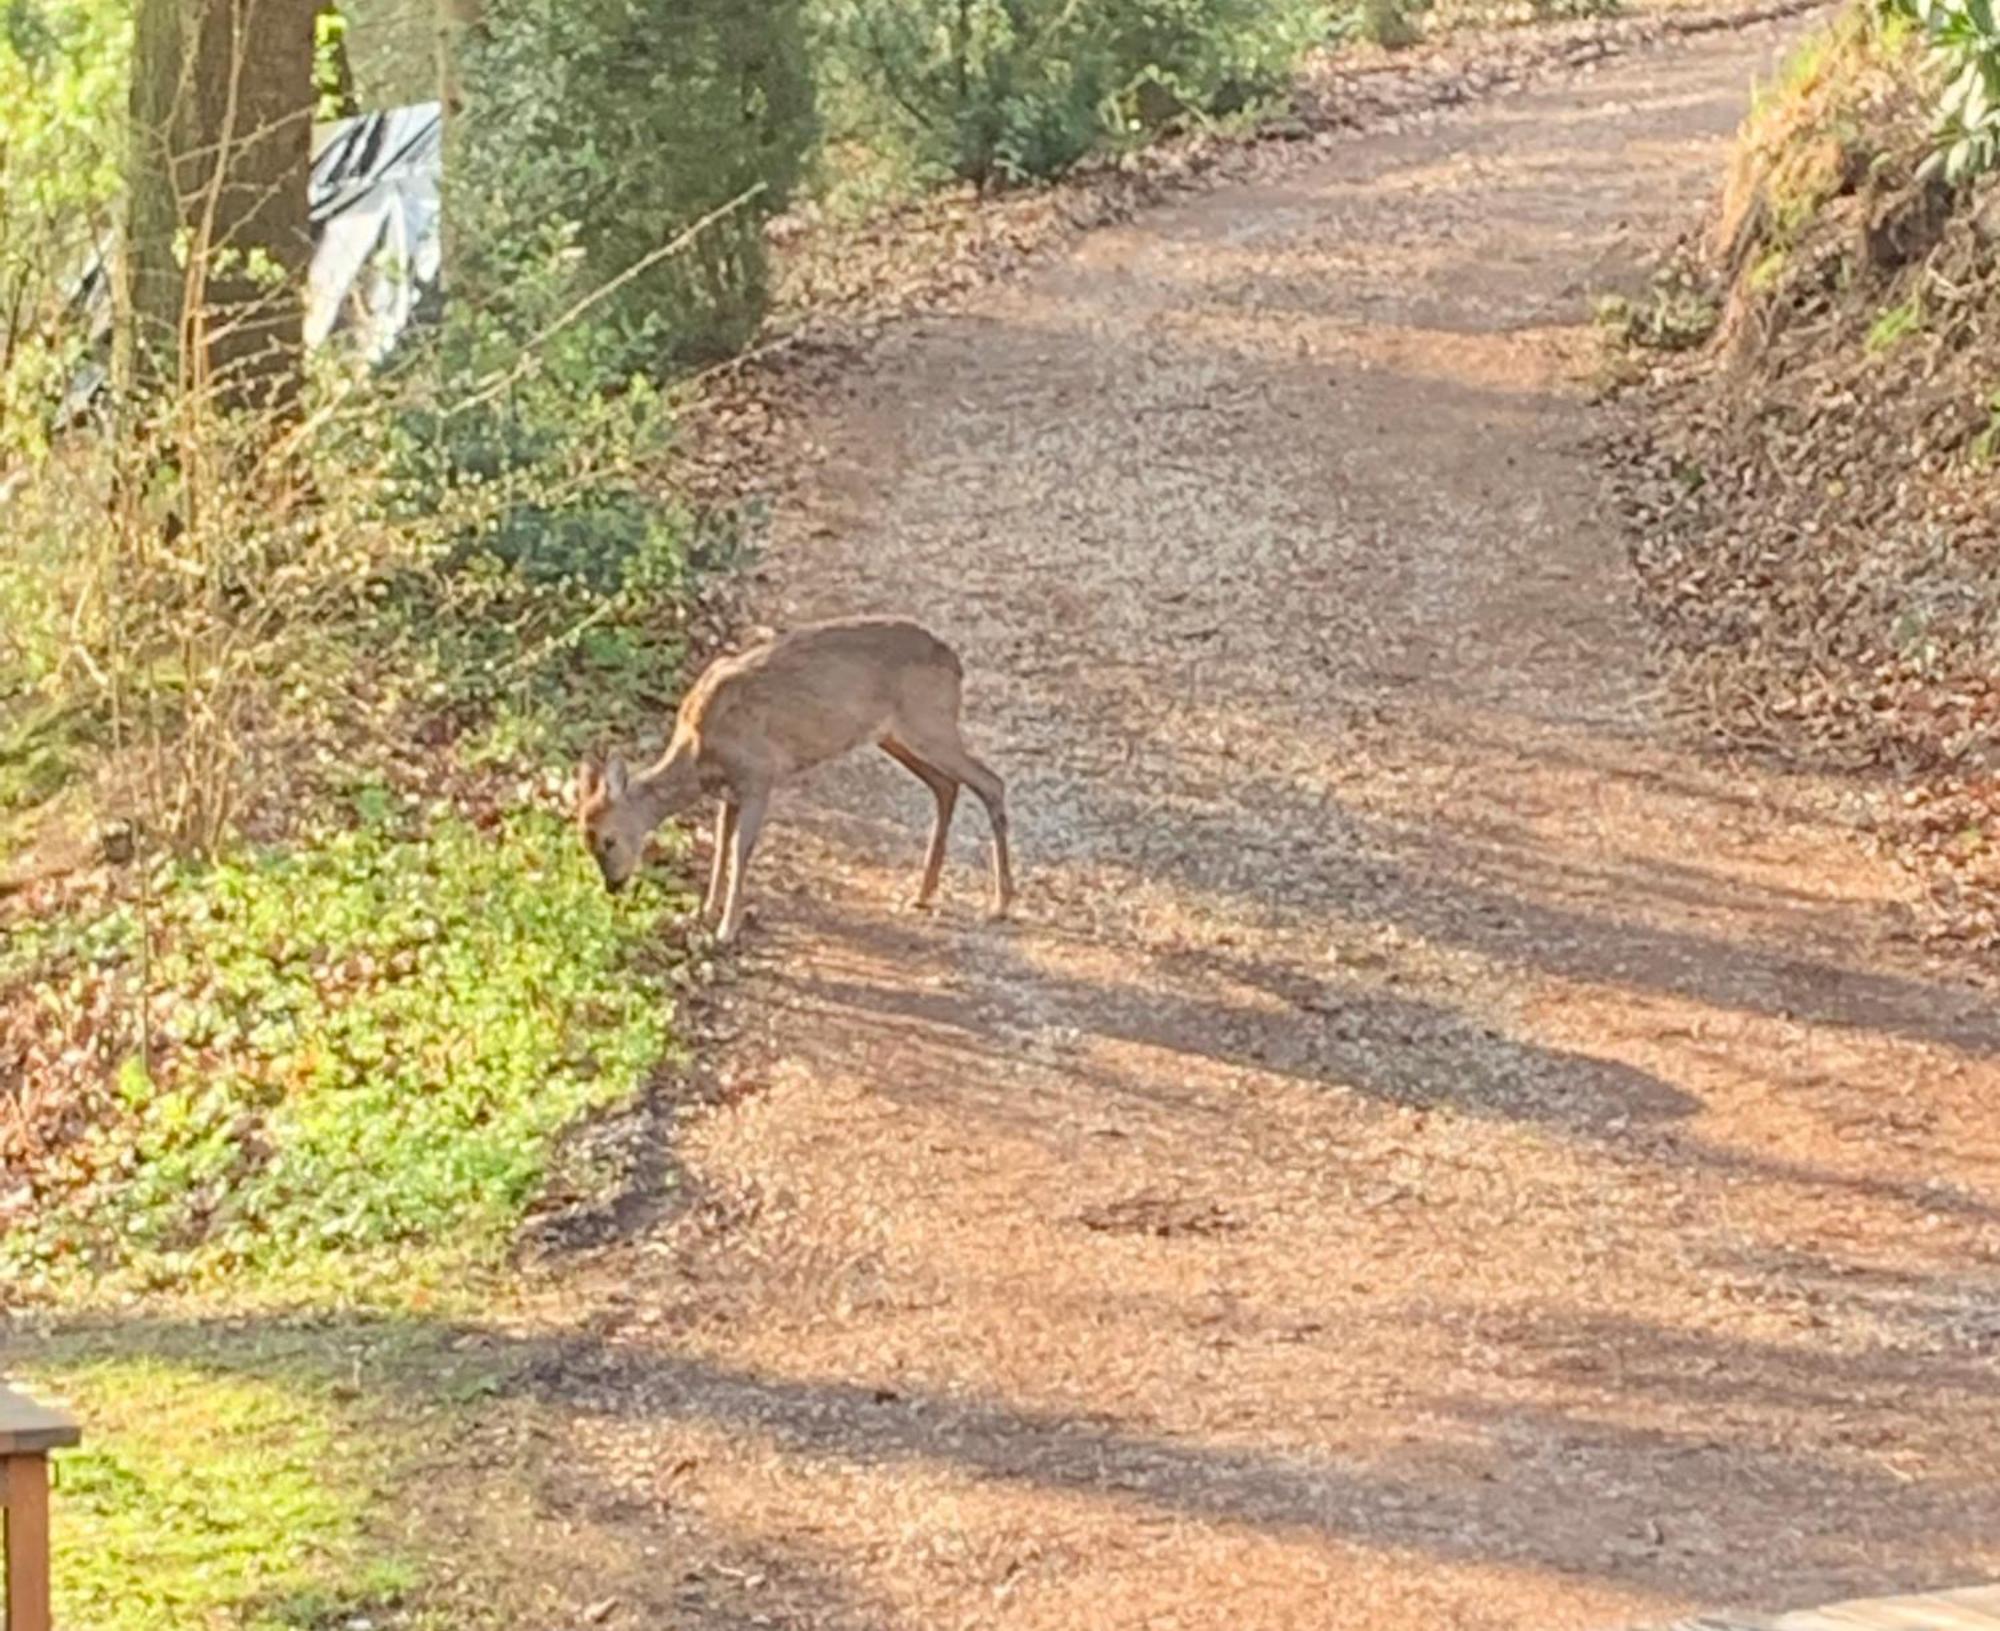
(1817, 487)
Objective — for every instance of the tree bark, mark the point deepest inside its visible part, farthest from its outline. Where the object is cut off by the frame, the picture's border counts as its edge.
(456, 19)
(457, 22)
(218, 236)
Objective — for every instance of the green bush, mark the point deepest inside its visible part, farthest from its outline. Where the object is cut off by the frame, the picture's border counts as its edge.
(597, 130)
(528, 431)
(1015, 90)
(1391, 24)
(62, 96)
(548, 529)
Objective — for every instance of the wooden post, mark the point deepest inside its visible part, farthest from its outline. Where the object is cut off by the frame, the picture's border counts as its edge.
(27, 1501)
(28, 1431)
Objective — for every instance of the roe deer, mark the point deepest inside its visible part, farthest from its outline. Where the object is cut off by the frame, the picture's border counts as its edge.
(755, 719)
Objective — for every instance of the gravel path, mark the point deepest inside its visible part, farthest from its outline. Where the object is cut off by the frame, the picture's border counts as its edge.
(1433, 1151)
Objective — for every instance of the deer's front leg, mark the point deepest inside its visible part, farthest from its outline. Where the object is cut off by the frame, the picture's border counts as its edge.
(749, 822)
(718, 867)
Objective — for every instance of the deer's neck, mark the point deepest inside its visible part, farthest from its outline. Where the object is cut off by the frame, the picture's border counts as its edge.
(669, 785)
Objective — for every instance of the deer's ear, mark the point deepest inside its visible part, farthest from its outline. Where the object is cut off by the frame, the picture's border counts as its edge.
(615, 780)
(586, 780)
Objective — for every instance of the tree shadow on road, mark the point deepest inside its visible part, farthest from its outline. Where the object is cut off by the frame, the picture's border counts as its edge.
(1579, 1489)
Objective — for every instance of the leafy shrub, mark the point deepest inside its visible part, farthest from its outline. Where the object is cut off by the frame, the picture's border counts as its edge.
(1394, 22)
(1387, 23)
(597, 130)
(1676, 314)
(1965, 38)
(205, 589)
(547, 528)
(62, 92)
(1812, 137)
(527, 432)
(1013, 90)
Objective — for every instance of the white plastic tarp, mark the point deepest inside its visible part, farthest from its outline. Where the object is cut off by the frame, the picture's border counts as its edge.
(375, 219)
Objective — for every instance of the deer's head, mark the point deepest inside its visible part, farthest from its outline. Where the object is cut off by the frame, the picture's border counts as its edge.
(615, 825)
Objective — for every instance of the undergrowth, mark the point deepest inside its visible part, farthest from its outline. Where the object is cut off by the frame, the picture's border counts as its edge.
(334, 1069)
(1022, 91)
(1827, 590)
(1811, 136)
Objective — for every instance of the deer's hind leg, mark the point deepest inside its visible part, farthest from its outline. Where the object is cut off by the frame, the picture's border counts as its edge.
(945, 790)
(939, 745)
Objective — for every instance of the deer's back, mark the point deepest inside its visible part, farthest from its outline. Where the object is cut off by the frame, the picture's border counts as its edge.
(818, 692)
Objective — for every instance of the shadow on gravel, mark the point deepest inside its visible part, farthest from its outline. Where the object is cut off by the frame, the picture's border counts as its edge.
(1729, 1416)
(1426, 883)
(1019, 1021)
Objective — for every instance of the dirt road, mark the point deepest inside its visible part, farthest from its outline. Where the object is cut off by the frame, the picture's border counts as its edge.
(1433, 1152)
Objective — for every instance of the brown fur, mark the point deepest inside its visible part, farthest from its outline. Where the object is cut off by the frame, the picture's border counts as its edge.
(768, 714)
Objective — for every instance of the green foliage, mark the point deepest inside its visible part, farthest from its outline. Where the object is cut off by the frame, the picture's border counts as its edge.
(1395, 23)
(1390, 24)
(1677, 314)
(43, 746)
(361, 1052)
(1812, 138)
(392, 49)
(596, 131)
(332, 80)
(45, 722)
(1769, 268)
(1965, 39)
(1014, 90)
(1897, 323)
(62, 95)
(200, 1499)
(483, 530)
(526, 435)
(553, 557)
(1804, 66)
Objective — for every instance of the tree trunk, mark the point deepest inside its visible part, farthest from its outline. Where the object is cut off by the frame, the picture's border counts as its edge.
(457, 22)
(218, 237)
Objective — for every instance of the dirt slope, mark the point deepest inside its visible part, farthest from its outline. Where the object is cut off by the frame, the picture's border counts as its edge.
(1432, 1152)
